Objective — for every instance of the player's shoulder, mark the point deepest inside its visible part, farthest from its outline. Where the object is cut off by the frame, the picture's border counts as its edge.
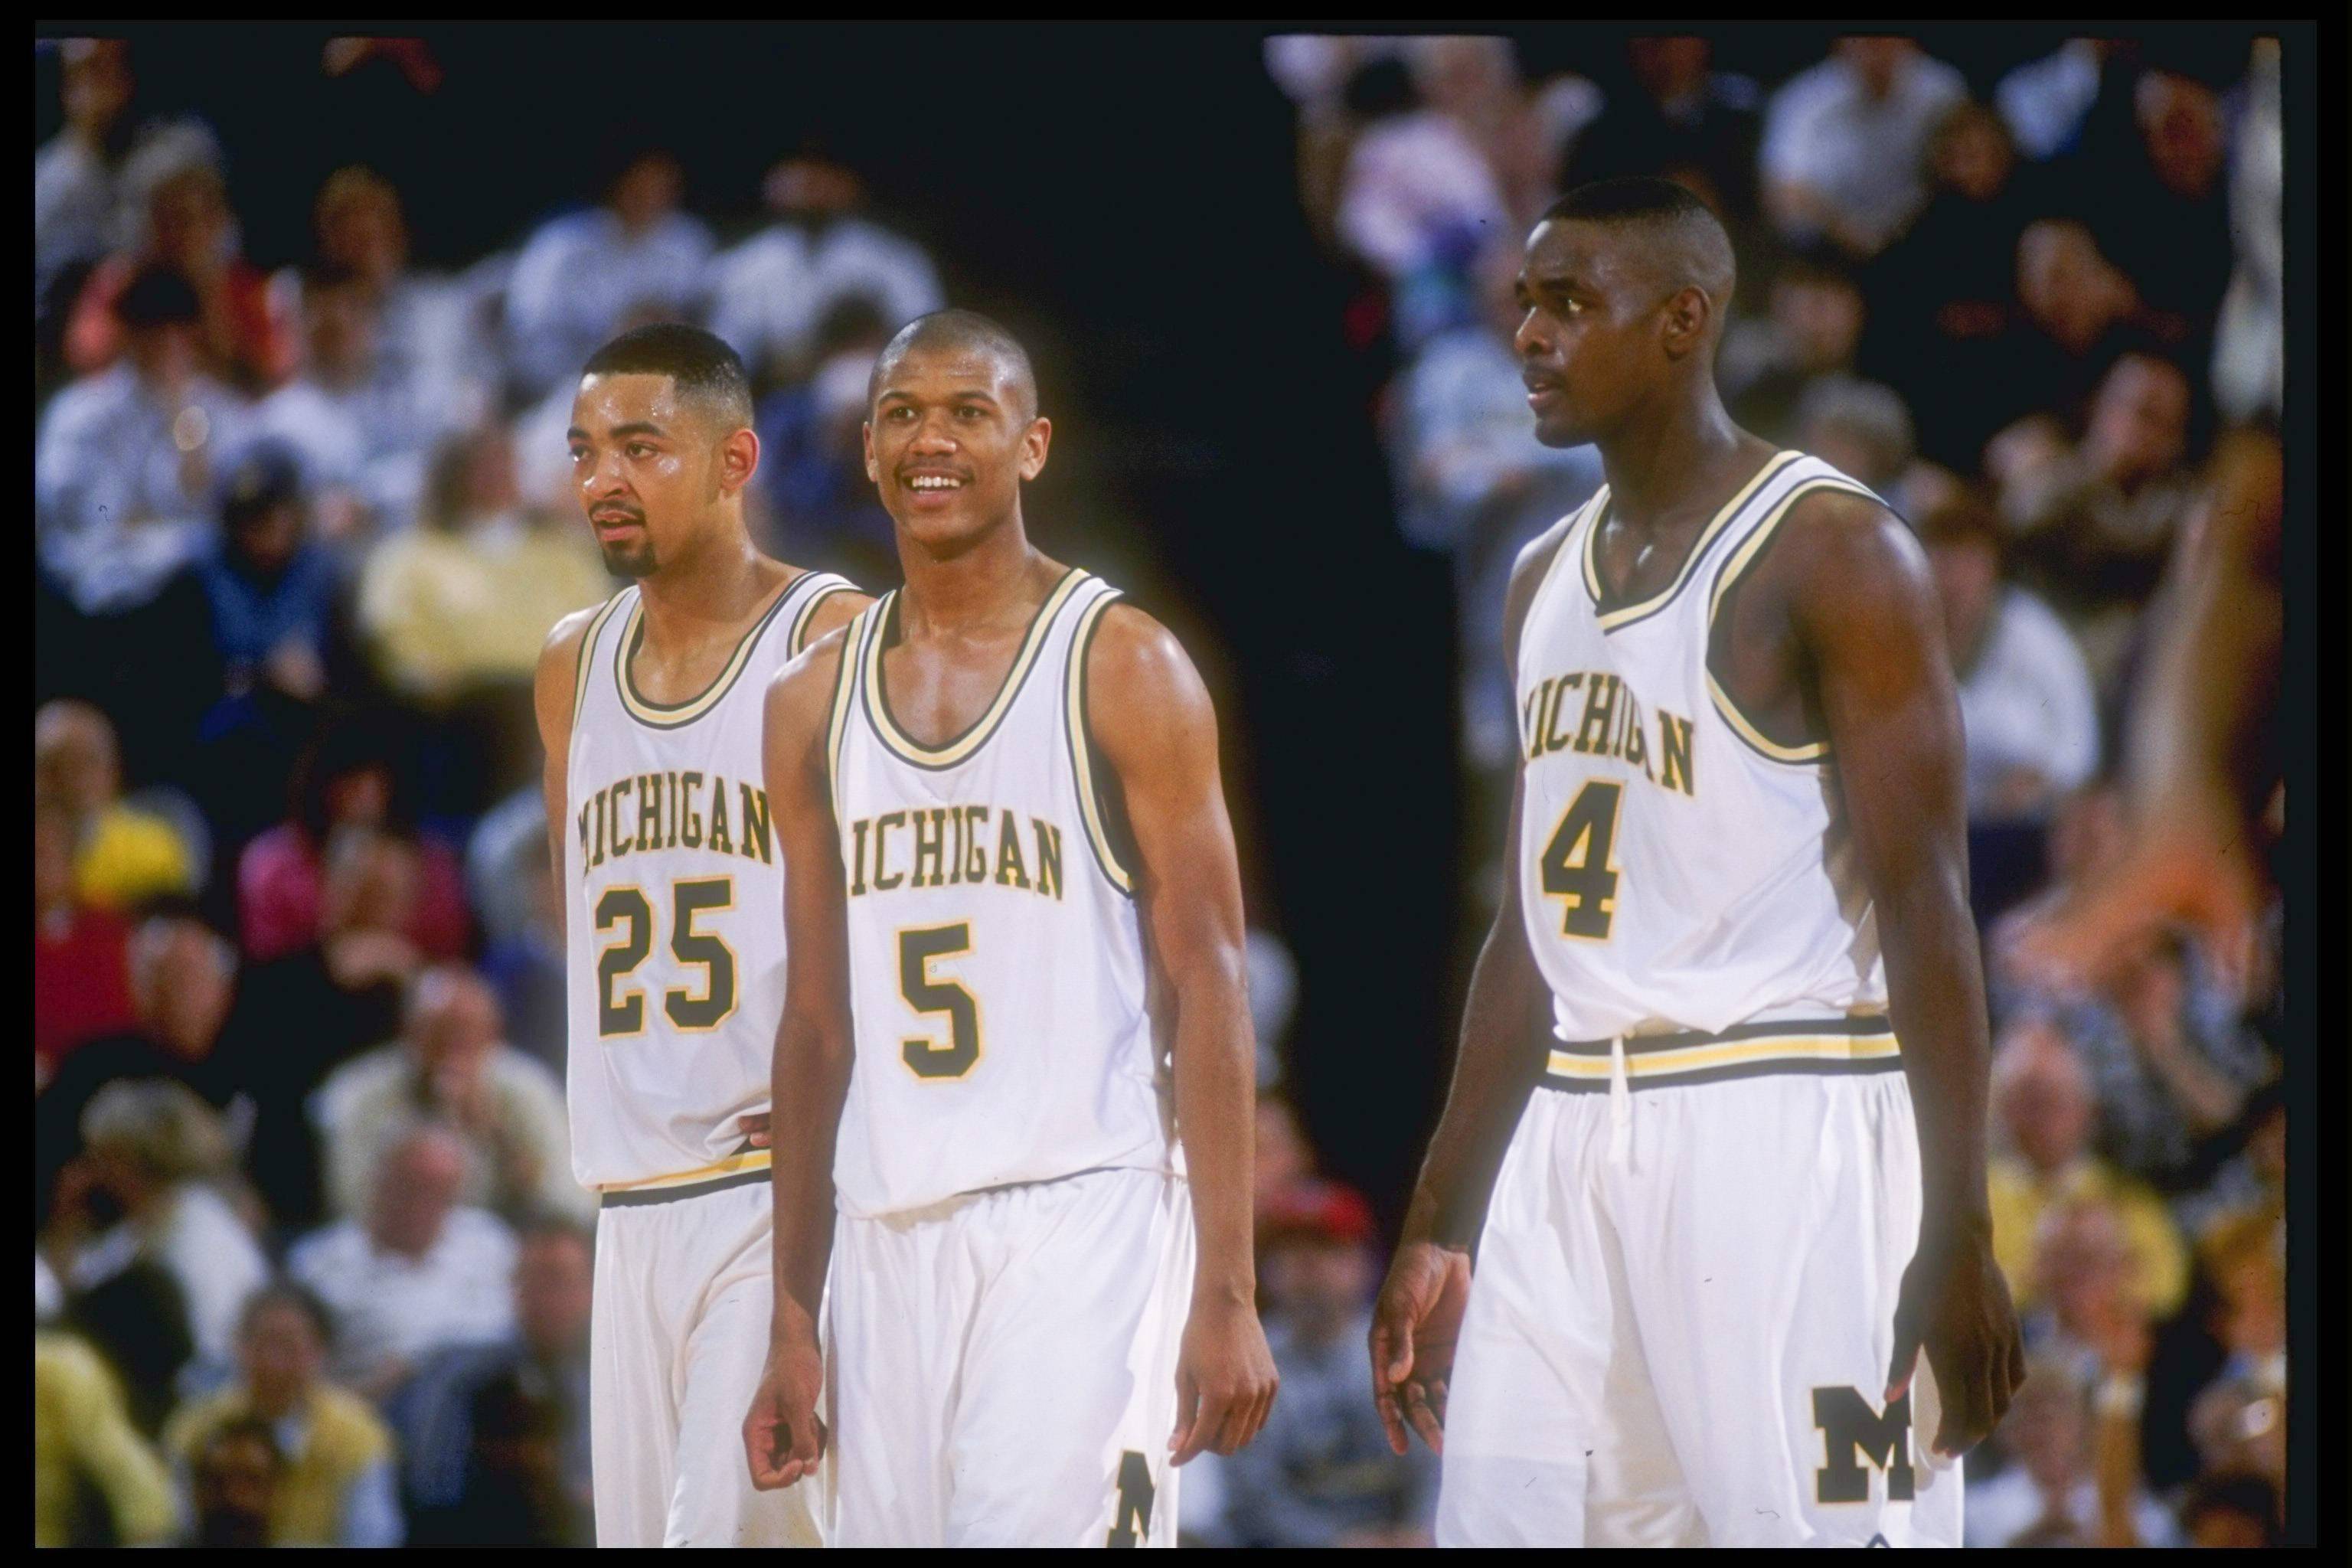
(1845, 538)
(559, 655)
(1131, 657)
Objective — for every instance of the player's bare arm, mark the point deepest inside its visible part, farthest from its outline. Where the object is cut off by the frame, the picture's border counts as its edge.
(1419, 1312)
(1152, 720)
(553, 687)
(783, 1437)
(1858, 597)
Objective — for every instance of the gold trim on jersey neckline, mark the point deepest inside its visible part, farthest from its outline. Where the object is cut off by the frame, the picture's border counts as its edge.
(1626, 615)
(877, 702)
(673, 716)
(579, 669)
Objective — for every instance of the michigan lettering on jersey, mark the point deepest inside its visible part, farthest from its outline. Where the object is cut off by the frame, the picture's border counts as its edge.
(1590, 712)
(952, 846)
(675, 811)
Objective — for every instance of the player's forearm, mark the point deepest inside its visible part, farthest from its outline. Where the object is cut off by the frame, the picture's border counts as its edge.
(1495, 1069)
(1216, 1096)
(1935, 998)
(810, 1077)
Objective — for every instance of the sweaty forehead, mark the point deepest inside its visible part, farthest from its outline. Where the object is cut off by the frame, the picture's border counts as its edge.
(1604, 257)
(940, 372)
(617, 398)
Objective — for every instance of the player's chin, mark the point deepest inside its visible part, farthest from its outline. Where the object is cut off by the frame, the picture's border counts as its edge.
(1562, 430)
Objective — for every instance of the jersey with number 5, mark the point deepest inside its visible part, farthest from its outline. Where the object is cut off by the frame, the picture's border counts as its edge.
(996, 962)
(674, 883)
(1678, 870)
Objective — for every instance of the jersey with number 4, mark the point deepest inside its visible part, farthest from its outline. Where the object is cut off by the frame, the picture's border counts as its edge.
(674, 885)
(1678, 869)
(996, 963)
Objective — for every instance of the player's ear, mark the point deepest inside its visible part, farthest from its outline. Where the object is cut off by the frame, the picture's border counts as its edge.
(1034, 443)
(739, 460)
(1688, 316)
(873, 464)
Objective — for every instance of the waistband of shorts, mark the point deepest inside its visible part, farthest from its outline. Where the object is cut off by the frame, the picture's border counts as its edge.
(1855, 1043)
(738, 1170)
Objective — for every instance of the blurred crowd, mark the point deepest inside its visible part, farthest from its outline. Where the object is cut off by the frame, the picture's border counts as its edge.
(2037, 309)
(311, 1266)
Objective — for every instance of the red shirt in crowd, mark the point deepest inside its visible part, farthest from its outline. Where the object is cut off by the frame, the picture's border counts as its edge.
(81, 983)
(277, 893)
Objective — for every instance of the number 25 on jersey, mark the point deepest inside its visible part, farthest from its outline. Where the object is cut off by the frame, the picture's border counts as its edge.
(621, 1010)
(1578, 866)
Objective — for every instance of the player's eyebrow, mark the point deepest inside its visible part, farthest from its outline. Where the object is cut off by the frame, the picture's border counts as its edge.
(620, 432)
(963, 393)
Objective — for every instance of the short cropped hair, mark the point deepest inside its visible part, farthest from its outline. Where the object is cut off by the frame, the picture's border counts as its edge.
(1694, 246)
(954, 329)
(704, 368)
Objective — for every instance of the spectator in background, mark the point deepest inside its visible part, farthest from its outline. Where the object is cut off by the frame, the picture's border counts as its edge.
(2162, 212)
(813, 452)
(2051, 1495)
(416, 1272)
(771, 295)
(121, 855)
(519, 904)
(2026, 701)
(2248, 348)
(334, 1481)
(2077, 316)
(184, 224)
(122, 465)
(233, 1480)
(157, 1151)
(2093, 520)
(2048, 102)
(358, 419)
(1681, 120)
(2046, 1168)
(2233, 1509)
(1322, 1473)
(1859, 427)
(81, 955)
(1845, 151)
(1284, 1157)
(345, 779)
(463, 600)
(455, 1491)
(451, 1065)
(96, 1481)
(1810, 333)
(581, 274)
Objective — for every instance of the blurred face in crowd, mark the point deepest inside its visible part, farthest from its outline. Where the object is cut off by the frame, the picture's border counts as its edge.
(339, 331)
(1819, 318)
(2140, 422)
(269, 538)
(73, 759)
(282, 1356)
(2046, 1429)
(1972, 154)
(358, 797)
(415, 1192)
(182, 977)
(97, 85)
(188, 219)
(2069, 288)
(553, 1276)
(1967, 567)
(360, 226)
(2180, 125)
(651, 468)
(1592, 340)
(452, 1021)
(1319, 1282)
(810, 187)
(53, 882)
(1877, 63)
(2044, 1096)
(163, 354)
(1669, 68)
(370, 884)
(2084, 1265)
(1282, 1156)
(952, 433)
(647, 190)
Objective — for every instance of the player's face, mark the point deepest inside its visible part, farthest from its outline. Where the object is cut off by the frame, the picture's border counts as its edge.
(1589, 333)
(948, 442)
(648, 467)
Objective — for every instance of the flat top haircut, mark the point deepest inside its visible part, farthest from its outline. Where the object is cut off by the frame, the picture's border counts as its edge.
(1683, 240)
(705, 371)
(964, 329)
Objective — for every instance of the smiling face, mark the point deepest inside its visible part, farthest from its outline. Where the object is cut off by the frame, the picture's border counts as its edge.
(952, 434)
(653, 470)
(1591, 338)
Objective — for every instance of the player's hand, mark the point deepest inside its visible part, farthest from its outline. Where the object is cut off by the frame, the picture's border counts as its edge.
(1955, 1305)
(1415, 1323)
(1226, 1379)
(754, 1127)
(783, 1436)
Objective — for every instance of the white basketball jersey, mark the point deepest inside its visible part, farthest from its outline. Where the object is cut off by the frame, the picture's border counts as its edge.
(1679, 872)
(996, 962)
(675, 975)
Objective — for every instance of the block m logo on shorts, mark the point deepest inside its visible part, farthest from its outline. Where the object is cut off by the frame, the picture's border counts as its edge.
(1130, 1519)
(1853, 1432)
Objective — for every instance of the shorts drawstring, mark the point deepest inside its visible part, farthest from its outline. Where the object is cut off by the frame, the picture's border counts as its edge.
(1621, 1105)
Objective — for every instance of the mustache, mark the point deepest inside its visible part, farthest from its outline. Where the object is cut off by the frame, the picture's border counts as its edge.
(615, 514)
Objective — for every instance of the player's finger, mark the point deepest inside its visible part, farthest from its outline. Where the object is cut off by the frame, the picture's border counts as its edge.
(1964, 1416)
(1391, 1418)
(1392, 1349)
(1424, 1420)
(1907, 1356)
(754, 1127)
(1206, 1426)
(1188, 1408)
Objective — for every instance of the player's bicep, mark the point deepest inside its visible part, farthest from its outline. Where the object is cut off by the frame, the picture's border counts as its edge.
(793, 757)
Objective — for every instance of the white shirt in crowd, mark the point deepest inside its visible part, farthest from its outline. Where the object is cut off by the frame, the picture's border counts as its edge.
(582, 273)
(2027, 702)
(1867, 158)
(387, 1306)
(768, 293)
(2006, 1507)
(197, 1238)
(1410, 180)
(2044, 100)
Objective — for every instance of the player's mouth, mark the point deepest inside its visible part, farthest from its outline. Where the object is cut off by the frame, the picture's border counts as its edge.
(930, 482)
(614, 522)
(1542, 390)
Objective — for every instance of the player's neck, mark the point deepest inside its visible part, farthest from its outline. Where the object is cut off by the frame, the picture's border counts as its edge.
(716, 588)
(995, 578)
(1656, 464)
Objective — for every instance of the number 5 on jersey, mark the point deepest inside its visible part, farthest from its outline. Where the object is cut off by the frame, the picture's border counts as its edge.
(928, 1058)
(622, 1012)
(1578, 867)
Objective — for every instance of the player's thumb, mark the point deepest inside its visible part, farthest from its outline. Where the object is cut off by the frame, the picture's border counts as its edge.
(1906, 1357)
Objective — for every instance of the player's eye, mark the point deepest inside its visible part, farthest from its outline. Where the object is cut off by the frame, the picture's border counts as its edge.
(639, 449)
(968, 411)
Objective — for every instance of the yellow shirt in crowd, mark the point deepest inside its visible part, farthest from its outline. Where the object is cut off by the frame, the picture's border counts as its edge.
(2020, 1195)
(129, 856)
(443, 611)
(84, 1445)
(345, 1438)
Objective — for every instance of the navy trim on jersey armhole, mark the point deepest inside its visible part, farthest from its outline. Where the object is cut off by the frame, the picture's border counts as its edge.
(1086, 764)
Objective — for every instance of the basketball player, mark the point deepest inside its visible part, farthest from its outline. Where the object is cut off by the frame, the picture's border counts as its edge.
(649, 706)
(1718, 1219)
(998, 800)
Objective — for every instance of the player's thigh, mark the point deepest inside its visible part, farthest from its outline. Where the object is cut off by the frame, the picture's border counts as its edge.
(897, 1301)
(1068, 1392)
(1781, 1230)
(631, 1405)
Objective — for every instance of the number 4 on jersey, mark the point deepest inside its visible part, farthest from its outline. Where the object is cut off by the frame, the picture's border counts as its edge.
(1577, 866)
